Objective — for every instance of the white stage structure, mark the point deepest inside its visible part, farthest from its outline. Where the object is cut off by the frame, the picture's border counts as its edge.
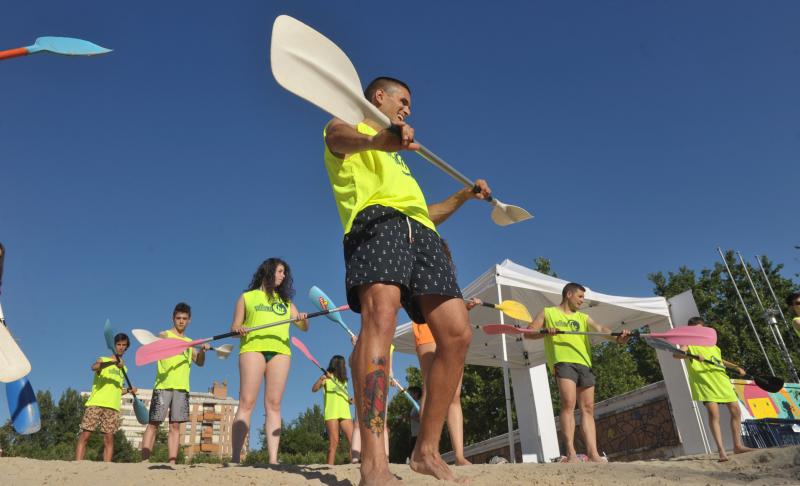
(524, 360)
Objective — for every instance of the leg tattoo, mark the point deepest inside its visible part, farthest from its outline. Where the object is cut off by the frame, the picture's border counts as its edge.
(374, 403)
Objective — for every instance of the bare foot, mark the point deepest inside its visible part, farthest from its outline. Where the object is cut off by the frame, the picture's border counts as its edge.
(598, 459)
(378, 479)
(742, 450)
(570, 458)
(463, 462)
(433, 466)
(723, 458)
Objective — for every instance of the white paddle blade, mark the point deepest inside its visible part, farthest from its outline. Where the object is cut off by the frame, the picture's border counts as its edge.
(224, 351)
(506, 214)
(13, 363)
(309, 65)
(144, 336)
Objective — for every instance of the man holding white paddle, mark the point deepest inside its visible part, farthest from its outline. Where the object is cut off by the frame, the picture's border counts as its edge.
(394, 258)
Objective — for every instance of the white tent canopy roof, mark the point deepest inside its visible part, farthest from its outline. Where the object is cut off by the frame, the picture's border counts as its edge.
(536, 291)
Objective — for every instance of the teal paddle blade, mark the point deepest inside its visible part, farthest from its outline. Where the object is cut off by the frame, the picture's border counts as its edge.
(108, 332)
(67, 46)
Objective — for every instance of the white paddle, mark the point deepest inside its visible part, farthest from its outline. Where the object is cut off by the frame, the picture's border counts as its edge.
(146, 337)
(309, 65)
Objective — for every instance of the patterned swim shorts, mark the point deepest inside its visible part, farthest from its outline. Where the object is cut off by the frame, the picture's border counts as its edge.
(105, 419)
(384, 245)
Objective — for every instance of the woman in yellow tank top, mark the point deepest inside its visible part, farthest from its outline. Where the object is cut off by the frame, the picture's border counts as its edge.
(337, 404)
(264, 354)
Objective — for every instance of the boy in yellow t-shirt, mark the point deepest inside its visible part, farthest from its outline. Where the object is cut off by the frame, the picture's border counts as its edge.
(171, 390)
(102, 407)
(569, 357)
(710, 384)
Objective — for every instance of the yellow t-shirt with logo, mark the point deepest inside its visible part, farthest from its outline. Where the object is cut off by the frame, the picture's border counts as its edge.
(709, 383)
(173, 373)
(259, 309)
(337, 401)
(567, 348)
(107, 386)
(374, 177)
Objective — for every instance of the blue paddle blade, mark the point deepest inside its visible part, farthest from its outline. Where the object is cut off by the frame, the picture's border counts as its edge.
(108, 331)
(140, 409)
(323, 302)
(67, 46)
(23, 407)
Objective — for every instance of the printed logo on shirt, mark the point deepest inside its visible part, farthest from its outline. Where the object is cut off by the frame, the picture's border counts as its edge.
(277, 308)
(399, 161)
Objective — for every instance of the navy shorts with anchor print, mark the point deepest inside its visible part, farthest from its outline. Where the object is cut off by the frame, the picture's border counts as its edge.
(384, 245)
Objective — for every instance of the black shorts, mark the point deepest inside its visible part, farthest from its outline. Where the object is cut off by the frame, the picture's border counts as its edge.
(384, 245)
(582, 375)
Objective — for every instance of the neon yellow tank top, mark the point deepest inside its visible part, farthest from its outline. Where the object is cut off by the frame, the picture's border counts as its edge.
(107, 387)
(337, 402)
(260, 310)
(567, 348)
(709, 383)
(173, 372)
(374, 177)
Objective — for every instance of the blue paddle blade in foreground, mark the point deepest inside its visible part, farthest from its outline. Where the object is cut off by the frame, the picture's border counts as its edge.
(23, 406)
(321, 301)
(67, 46)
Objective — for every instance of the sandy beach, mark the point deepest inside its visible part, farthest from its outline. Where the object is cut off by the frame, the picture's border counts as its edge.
(765, 467)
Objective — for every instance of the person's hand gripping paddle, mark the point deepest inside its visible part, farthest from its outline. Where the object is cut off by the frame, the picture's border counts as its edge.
(303, 349)
(309, 65)
(322, 302)
(139, 408)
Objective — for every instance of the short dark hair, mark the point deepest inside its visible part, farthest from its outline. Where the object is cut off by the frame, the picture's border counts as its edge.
(182, 307)
(695, 321)
(122, 337)
(384, 83)
(571, 287)
(790, 300)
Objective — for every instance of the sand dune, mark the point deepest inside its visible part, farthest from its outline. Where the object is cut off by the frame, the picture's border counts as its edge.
(769, 467)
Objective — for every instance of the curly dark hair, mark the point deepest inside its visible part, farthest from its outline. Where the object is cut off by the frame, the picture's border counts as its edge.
(338, 368)
(264, 279)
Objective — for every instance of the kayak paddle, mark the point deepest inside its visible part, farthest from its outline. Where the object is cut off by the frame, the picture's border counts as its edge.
(321, 301)
(511, 308)
(13, 362)
(769, 383)
(164, 348)
(303, 349)
(139, 408)
(684, 335)
(57, 45)
(309, 65)
(146, 337)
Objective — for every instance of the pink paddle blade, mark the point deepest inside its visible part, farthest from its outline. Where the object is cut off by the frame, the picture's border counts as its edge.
(161, 349)
(492, 329)
(688, 336)
(303, 349)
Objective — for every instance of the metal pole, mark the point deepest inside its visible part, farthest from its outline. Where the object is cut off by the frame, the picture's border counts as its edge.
(506, 384)
(749, 319)
(775, 297)
(772, 323)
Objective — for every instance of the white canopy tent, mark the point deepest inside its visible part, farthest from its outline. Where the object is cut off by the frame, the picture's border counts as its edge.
(525, 359)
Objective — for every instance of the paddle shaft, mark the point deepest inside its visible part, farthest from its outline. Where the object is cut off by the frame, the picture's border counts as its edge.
(264, 326)
(128, 380)
(10, 53)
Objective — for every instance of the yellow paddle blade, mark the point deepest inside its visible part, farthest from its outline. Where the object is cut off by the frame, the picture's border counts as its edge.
(514, 309)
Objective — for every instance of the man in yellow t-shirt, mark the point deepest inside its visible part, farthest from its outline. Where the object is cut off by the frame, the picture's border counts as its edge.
(569, 357)
(393, 257)
(102, 407)
(793, 301)
(171, 390)
(710, 384)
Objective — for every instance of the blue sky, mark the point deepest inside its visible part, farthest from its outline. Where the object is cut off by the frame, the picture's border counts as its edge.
(641, 134)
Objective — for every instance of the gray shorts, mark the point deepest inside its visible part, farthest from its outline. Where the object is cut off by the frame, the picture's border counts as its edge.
(580, 374)
(174, 401)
